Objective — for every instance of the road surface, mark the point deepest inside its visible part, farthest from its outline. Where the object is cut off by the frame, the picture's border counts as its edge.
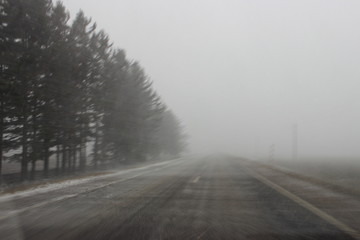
(215, 197)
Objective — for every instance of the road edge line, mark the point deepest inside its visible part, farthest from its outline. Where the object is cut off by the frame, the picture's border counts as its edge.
(323, 215)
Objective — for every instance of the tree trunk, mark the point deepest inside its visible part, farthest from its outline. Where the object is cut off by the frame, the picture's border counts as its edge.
(96, 145)
(82, 155)
(82, 161)
(1, 133)
(34, 156)
(74, 158)
(33, 169)
(71, 157)
(63, 163)
(24, 140)
(46, 158)
(24, 159)
(57, 158)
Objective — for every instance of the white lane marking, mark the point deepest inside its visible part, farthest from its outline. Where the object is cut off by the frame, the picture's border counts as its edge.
(330, 219)
(65, 197)
(196, 179)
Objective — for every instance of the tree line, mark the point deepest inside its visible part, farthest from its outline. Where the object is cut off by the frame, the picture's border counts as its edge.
(69, 95)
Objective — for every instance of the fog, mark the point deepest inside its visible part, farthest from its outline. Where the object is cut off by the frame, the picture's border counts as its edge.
(240, 74)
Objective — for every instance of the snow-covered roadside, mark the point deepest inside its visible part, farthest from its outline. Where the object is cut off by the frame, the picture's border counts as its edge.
(43, 188)
(340, 177)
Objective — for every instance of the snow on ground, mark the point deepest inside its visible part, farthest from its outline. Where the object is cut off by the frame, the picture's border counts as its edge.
(343, 172)
(67, 183)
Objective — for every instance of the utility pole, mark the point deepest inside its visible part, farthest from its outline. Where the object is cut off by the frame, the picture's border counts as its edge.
(271, 152)
(295, 142)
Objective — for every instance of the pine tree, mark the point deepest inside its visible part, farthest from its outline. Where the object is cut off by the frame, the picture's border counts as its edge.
(114, 93)
(81, 66)
(56, 86)
(3, 78)
(63, 88)
(26, 34)
(101, 52)
(170, 135)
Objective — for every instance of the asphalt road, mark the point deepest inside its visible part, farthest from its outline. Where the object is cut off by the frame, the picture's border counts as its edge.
(199, 198)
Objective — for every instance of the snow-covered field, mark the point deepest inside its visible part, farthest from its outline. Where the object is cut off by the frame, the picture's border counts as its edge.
(343, 172)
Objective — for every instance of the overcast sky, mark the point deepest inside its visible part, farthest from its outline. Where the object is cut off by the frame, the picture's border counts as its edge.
(240, 73)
